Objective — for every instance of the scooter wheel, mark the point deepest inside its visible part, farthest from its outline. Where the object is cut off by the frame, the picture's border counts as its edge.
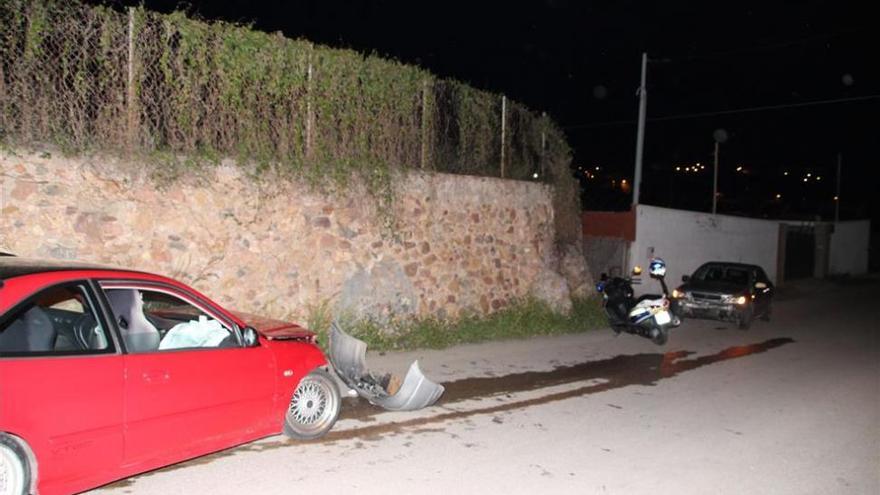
(661, 337)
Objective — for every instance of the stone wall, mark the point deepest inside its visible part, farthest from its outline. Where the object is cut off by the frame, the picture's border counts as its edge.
(275, 247)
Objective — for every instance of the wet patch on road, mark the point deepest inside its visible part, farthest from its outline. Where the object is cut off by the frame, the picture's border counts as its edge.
(612, 373)
(619, 371)
(604, 374)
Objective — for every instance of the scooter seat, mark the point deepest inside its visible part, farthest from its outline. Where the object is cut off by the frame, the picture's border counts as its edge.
(644, 297)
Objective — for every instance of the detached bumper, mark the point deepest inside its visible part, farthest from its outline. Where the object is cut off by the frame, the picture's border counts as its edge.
(348, 356)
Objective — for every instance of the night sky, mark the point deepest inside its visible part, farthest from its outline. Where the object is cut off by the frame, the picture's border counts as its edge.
(580, 62)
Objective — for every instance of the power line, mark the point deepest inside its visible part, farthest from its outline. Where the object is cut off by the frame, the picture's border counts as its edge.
(743, 49)
(727, 112)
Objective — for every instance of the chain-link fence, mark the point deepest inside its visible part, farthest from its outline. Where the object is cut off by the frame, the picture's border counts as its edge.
(94, 78)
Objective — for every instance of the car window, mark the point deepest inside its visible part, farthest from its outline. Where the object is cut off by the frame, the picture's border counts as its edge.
(153, 320)
(722, 273)
(58, 320)
(709, 273)
(736, 276)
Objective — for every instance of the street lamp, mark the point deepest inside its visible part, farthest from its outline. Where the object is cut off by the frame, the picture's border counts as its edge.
(720, 136)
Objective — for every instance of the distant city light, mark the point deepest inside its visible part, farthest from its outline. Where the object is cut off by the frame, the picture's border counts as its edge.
(836, 198)
(535, 175)
(778, 196)
(818, 177)
(623, 181)
(678, 169)
(806, 179)
(809, 174)
(739, 169)
(785, 173)
(597, 168)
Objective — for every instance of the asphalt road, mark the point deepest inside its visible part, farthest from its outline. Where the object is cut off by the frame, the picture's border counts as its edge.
(790, 406)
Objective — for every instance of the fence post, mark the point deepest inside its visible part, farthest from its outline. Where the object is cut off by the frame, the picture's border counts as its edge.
(503, 130)
(424, 157)
(131, 93)
(309, 116)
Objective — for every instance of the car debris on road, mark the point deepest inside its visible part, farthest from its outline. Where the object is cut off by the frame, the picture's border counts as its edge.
(348, 356)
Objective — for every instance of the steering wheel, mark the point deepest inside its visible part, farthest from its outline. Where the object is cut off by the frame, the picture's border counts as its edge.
(83, 328)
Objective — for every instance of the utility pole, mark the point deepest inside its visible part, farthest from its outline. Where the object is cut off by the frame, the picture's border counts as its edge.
(640, 135)
(837, 190)
(715, 181)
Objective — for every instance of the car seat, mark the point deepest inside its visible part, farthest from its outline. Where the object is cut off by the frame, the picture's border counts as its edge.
(137, 332)
(31, 332)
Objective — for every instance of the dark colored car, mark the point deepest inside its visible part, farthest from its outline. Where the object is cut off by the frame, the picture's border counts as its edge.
(725, 291)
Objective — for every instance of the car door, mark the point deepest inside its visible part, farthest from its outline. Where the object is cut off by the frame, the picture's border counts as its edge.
(61, 384)
(191, 386)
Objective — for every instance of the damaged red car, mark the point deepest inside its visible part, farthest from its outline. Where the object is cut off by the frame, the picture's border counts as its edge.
(105, 373)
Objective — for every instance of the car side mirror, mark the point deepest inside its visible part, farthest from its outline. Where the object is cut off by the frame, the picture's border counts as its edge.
(249, 337)
(685, 278)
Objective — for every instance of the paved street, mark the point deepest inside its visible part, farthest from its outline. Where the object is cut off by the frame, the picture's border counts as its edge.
(790, 406)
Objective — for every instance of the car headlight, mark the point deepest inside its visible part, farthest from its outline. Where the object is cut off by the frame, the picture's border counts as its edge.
(732, 299)
(677, 294)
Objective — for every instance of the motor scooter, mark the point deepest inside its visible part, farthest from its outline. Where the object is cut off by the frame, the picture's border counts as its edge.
(650, 316)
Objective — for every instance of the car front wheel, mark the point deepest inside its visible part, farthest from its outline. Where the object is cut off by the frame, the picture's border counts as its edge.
(15, 473)
(767, 312)
(745, 318)
(314, 407)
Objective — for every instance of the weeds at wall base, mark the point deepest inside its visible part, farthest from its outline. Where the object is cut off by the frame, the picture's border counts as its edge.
(526, 318)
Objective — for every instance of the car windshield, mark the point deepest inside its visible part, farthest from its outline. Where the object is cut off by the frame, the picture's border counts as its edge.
(722, 273)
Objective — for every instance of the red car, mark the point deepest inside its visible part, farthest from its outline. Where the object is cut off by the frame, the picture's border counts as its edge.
(107, 372)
